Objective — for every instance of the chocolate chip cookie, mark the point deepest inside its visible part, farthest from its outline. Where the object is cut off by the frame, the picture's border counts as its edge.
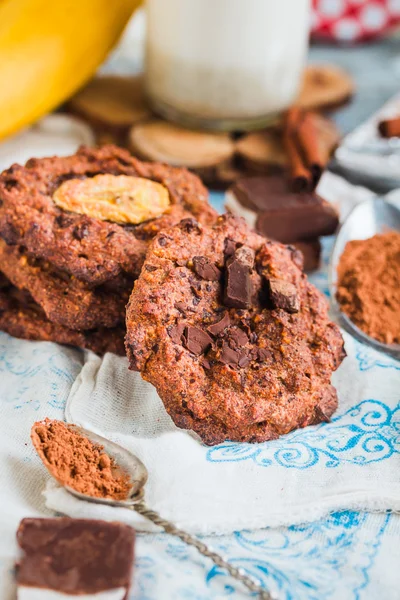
(91, 214)
(21, 317)
(65, 300)
(227, 327)
(74, 231)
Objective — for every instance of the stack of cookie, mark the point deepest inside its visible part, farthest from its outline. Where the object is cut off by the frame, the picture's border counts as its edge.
(73, 237)
(222, 321)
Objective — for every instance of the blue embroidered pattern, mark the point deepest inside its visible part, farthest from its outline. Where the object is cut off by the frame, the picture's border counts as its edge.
(302, 562)
(56, 371)
(368, 358)
(366, 433)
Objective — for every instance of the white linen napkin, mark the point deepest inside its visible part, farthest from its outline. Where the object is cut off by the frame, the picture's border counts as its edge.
(351, 463)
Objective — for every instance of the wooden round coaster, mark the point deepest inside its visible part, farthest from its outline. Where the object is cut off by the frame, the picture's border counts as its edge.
(325, 87)
(111, 102)
(161, 141)
(261, 149)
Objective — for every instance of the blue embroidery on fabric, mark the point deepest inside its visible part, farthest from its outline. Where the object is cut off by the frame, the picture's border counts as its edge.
(368, 358)
(56, 371)
(366, 433)
(302, 562)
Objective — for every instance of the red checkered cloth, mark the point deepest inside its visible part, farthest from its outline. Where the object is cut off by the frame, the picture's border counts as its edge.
(353, 20)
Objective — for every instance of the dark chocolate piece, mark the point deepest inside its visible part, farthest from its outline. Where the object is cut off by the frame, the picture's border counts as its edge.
(75, 556)
(219, 327)
(206, 269)
(244, 359)
(190, 225)
(284, 215)
(229, 247)
(175, 332)
(263, 354)
(237, 292)
(229, 356)
(196, 340)
(181, 306)
(283, 294)
(237, 337)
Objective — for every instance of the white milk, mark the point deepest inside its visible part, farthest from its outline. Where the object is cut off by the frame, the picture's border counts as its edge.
(221, 62)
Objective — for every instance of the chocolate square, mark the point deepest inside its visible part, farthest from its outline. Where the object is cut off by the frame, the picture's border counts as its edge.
(75, 556)
(284, 215)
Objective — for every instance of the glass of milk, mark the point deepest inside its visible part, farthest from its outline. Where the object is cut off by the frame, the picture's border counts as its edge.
(225, 64)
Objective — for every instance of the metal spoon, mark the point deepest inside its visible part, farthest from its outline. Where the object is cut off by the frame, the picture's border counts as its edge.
(368, 218)
(134, 467)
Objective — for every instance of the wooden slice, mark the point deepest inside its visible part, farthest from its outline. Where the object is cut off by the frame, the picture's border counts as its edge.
(261, 149)
(161, 141)
(111, 102)
(325, 87)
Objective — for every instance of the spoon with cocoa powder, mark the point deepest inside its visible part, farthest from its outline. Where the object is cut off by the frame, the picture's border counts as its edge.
(365, 274)
(94, 469)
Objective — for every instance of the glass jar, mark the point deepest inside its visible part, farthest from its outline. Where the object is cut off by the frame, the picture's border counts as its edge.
(225, 64)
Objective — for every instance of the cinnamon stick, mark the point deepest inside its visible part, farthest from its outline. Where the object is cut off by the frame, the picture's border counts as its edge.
(310, 148)
(389, 127)
(300, 174)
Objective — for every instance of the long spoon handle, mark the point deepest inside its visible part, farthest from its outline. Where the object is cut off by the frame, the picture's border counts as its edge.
(170, 528)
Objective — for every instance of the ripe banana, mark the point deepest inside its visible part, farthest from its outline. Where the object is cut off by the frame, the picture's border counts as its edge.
(50, 49)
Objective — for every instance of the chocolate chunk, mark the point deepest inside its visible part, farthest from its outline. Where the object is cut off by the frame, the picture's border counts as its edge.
(228, 356)
(219, 327)
(181, 306)
(196, 289)
(283, 295)
(253, 337)
(63, 221)
(283, 215)
(263, 354)
(229, 247)
(196, 340)
(206, 269)
(237, 337)
(205, 363)
(175, 332)
(238, 288)
(244, 359)
(190, 225)
(80, 232)
(150, 268)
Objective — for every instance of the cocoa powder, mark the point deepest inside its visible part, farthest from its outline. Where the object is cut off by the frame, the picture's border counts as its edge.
(77, 462)
(369, 285)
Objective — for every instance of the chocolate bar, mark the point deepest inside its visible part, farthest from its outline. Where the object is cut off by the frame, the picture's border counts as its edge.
(83, 558)
(276, 212)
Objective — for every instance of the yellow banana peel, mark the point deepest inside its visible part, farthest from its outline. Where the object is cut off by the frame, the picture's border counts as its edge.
(50, 48)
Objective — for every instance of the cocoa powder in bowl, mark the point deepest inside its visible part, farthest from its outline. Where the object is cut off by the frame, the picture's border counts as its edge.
(368, 289)
(77, 462)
